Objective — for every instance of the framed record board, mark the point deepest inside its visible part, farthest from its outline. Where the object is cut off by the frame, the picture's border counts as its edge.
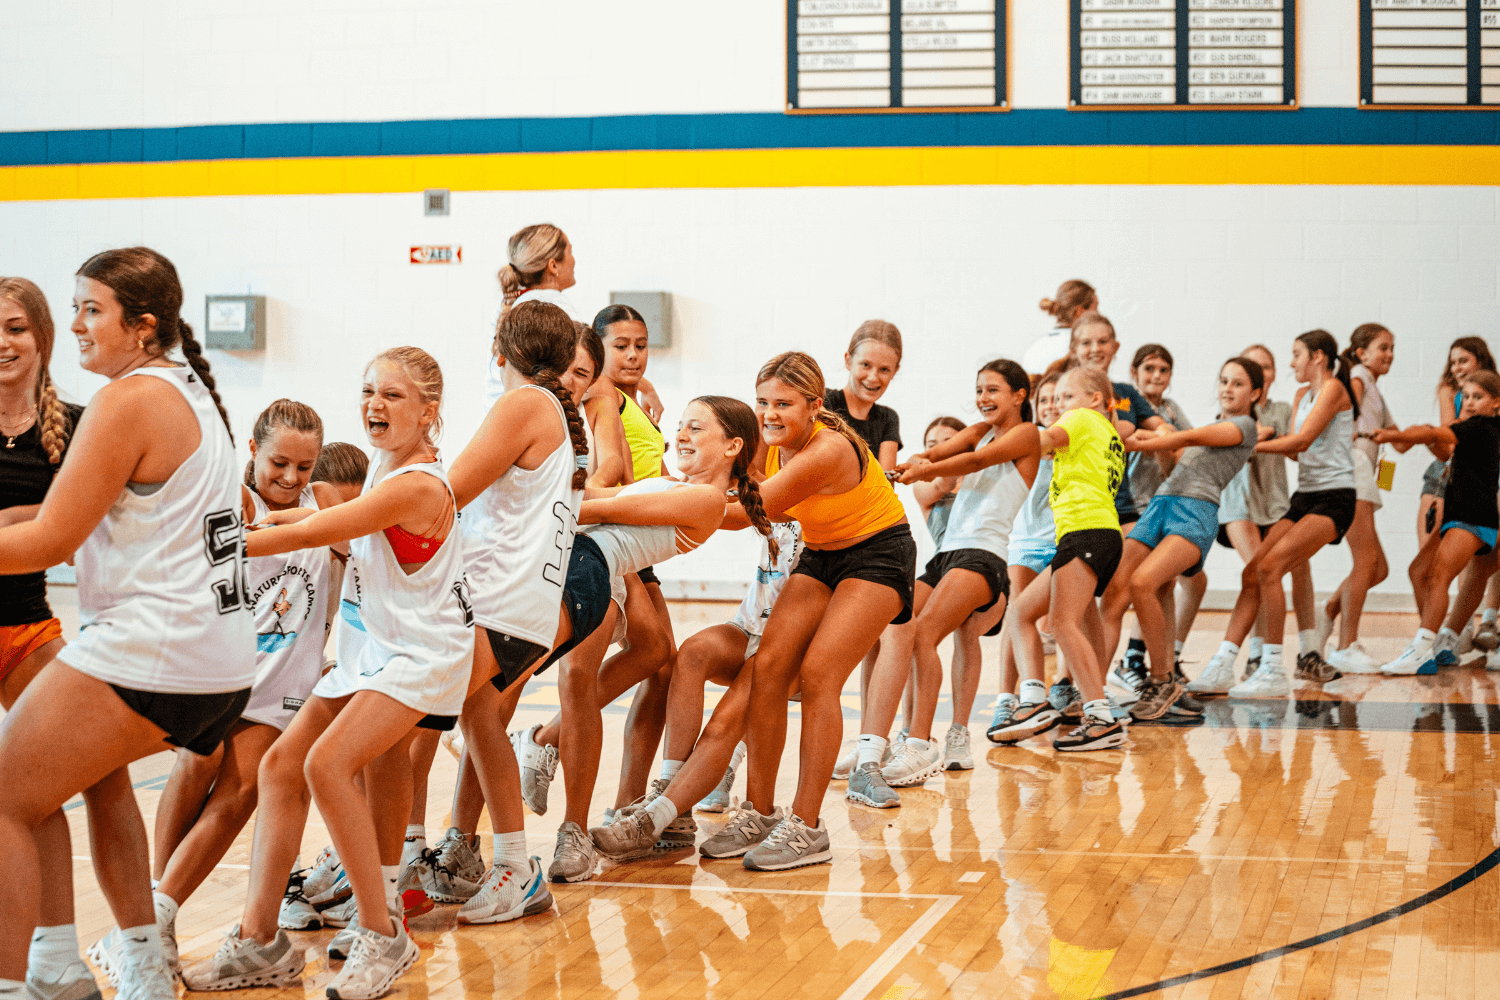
(1176, 54)
(896, 55)
(1429, 53)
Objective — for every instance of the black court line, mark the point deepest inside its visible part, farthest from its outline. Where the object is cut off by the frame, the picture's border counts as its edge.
(1490, 861)
(1323, 714)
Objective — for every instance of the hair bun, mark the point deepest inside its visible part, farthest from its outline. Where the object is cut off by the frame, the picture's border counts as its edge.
(1048, 306)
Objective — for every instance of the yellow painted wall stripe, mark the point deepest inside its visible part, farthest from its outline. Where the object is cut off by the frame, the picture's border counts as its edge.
(1331, 164)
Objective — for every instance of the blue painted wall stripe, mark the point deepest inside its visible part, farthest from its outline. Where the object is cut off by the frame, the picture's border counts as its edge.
(1028, 127)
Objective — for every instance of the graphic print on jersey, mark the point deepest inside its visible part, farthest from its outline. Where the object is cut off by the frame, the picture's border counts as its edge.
(461, 591)
(349, 610)
(293, 594)
(1116, 463)
(223, 542)
(553, 572)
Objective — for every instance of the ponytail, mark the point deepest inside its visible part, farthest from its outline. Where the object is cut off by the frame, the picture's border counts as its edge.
(1322, 342)
(755, 510)
(540, 342)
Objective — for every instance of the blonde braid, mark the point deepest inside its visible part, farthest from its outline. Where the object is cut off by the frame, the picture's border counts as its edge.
(53, 418)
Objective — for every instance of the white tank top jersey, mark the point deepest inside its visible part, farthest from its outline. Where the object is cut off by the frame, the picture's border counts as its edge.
(289, 600)
(588, 437)
(1034, 527)
(517, 536)
(161, 580)
(494, 382)
(985, 508)
(769, 577)
(407, 636)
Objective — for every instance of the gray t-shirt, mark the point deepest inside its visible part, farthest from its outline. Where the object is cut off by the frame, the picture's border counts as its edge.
(1144, 467)
(1202, 472)
(1258, 493)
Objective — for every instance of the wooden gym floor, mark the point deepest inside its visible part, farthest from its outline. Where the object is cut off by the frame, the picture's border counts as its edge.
(1315, 847)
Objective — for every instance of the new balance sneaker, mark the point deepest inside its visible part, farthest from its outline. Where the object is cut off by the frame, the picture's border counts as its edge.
(958, 753)
(240, 963)
(1417, 658)
(1028, 721)
(1268, 681)
(682, 831)
(1312, 667)
(575, 857)
(1155, 697)
(375, 962)
(75, 982)
(1353, 659)
(632, 835)
(912, 765)
(848, 756)
(147, 978)
(1065, 697)
(1487, 637)
(719, 799)
(1129, 675)
(538, 768)
(867, 786)
(1005, 715)
(743, 829)
(1093, 734)
(1217, 677)
(297, 912)
(507, 893)
(791, 845)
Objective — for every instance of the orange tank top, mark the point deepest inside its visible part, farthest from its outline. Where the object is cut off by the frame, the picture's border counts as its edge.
(827, 519)
(410, 548)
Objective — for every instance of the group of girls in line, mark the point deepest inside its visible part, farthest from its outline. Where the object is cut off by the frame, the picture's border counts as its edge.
(207, 598)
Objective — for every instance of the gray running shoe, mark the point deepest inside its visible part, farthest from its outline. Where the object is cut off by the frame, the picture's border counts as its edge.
(1312, 667)
(75, 982)
(958, 752)
(239, 964)
(868, 786)
(538, 768)
(508, 892)
(575, 857)
(1065, 698)
(743, 829)
(1128, 674)
(1154, 697)
(682, 831)
(791, 845)
(342, 915)
(719, 800)
(912, 765)
(1005, 714)
(632, 835)
(375, 962)
(456, 867)
(1093, 734)
(297, 912)
(1487, 637)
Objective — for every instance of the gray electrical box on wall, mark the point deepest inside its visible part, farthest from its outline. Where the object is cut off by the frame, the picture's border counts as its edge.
(235, 322)
(655, 308)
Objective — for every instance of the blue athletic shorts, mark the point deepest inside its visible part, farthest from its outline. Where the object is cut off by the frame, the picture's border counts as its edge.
(1186, 517)
(1035, 559)
(1485, 535)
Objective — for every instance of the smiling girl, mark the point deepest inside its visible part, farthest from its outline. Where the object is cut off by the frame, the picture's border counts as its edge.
(1466, 355)
(147, 502)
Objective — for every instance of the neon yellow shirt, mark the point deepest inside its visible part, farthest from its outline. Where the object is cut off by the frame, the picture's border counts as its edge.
(1087, 473)
(647, 445)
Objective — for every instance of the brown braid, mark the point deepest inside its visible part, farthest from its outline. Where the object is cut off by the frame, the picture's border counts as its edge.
(549, 380)
(539, 341)
(54, 420)
(755, 510)
(194, 355)
(738, 421)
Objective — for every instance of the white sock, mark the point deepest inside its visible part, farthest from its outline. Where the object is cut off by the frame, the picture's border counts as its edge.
(166, 907)
(137, 944)
(1033, 692)
(392, 875)
(1007, 696)
(669, 769)
(662, 812)
(1228, 651)
(1177, 647)
(53, 949)
(1099, 710)
(1489, 615)
(1270, 656)
(1254, 647)
(738, 757)
(511, 848)
(1425, 635)
(156, 882)
(416, 833)
(871, 749)
(1307, 641)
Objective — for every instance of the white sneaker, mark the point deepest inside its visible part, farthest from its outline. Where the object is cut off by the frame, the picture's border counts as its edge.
(104, 953)
(1416, 658)
(241, 963)
(958, 752)
(508, 893)
(74, 982)
(1466, 640)
(167, 928)
(1268, 681)
(538, 768)
(1216, 678)
(912, 765)
(343, 914)
(848, 753)
(375, 962)
(147, 979)
(325, 882)
(1353, 659)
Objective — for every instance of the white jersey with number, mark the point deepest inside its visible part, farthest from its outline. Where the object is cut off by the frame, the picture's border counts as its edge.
(161, 581)
(770, 577)
(289, 599)
(409, 636)
(517, 536)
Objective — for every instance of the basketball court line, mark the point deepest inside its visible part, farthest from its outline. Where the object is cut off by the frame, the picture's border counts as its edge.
(876, 970)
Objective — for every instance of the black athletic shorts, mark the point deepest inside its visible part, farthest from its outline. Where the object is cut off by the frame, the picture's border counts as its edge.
(1098, 548)
(585, 595)
(887, 557)
(1336, 505)
(442, 723)
(196, 722)
(648, 575)
(1223, 535)
(514, 655)
(986, 564)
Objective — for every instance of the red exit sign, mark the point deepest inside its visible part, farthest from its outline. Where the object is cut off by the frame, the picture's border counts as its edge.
(437, 255)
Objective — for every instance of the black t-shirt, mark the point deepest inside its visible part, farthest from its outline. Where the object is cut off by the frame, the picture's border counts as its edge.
(883, 424)
(1133, 407)
(1473, 471)
(25, 475)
